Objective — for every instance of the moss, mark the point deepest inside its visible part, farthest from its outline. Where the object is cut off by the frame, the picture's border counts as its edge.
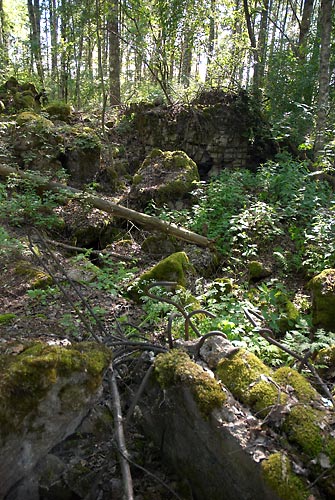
(59, 110)
(7, 318)
(137, 179)
(27, 377)
(37, 277)
(25, 100)
(165, 176)
(257, 270)
(263, 396)
(239, 371)
(302, 428)
(302, 388)
(288, 317)
(278, 474)
(323, 305)
(176, 368)
(30, 117)
(172, 268)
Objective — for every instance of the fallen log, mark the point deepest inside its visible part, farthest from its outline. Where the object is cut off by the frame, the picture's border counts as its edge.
(145, 220)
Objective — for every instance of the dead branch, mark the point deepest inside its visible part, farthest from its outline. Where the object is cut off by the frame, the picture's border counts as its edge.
(145, 220)
(119, 436)
(89, 250)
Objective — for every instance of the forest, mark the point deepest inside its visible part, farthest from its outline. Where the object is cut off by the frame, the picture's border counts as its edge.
(167, 247)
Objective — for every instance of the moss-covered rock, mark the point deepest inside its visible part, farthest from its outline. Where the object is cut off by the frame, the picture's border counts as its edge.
(303, 427)
(323, 303)
(239, 371)
(325, 360)
(176, 368)
(25, 100)
(257, 270)
(263, 396)
(164, 177)
(277, 472)
(159, 244)
(35, 276)
(174, 268)
(59, 110)
(30, 117)
(45, 392)
(288, 317)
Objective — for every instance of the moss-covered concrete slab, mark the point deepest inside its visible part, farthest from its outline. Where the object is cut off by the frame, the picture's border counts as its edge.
(252, 441)
(45, 391)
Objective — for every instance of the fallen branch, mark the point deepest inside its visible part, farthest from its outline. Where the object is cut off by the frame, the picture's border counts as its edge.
(89, 250)
(145, 220)
(119, 437)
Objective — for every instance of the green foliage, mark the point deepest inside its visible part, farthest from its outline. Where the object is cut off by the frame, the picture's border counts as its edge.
(319, 241)
(8, 245)
(20, 203)
(280, 206)
(110, 276)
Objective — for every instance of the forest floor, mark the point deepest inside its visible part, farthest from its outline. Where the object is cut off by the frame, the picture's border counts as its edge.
(48, 315)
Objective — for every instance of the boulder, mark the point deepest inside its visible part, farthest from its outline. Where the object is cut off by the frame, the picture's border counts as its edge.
(45, 392)
(173, 268)
(323, 299)
(59, 110)
(165, 178)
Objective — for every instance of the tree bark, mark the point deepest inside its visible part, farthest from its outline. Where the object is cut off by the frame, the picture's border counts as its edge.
(53, 39)
(305, 26)
(324, 76)
(35, 35)
(118, 210)
(114, 59)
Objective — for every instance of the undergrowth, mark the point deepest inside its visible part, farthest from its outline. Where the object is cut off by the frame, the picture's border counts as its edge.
(248, 215)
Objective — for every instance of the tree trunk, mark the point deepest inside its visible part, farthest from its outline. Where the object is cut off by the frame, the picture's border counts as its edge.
(114, 53)
(53, 40)
(324, 76)
(305, 26)
(106, 206)
(3, 40)
(211, 43)
(186, 57)
(35, 36)
(64, 53)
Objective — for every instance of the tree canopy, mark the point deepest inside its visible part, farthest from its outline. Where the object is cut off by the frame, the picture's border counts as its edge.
(111, 52)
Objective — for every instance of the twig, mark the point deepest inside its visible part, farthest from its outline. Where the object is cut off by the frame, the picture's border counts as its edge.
(139, 393)
(119, 436)
(89, 250)
(170, 301)
(169, 328)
